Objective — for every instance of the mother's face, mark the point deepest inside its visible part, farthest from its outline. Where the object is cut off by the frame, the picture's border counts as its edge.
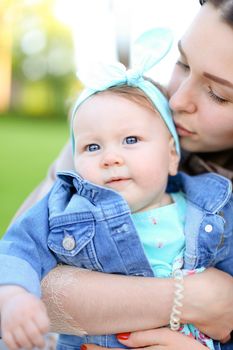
(201, 86)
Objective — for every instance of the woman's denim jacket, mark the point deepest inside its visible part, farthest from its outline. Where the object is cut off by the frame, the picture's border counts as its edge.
(89, 226)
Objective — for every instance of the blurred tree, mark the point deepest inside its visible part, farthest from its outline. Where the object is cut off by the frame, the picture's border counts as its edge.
(5, 54)
(43, 69)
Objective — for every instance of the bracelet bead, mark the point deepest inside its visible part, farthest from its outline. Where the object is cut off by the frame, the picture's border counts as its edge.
(177, 302)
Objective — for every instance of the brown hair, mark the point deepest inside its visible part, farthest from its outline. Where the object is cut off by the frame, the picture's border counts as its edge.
(135, 94)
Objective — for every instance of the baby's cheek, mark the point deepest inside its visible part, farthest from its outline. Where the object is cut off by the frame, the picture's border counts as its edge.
(90, 173)
(83, 168)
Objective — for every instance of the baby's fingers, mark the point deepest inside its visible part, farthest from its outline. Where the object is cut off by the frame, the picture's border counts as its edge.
(42, 321)
(26, 337)
(22, 339)
(10, 341)
(36, 335)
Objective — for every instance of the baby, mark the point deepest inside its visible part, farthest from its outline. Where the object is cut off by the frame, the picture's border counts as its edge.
(114, 213)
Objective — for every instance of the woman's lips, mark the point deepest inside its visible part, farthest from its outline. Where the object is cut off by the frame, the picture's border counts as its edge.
(182, 131)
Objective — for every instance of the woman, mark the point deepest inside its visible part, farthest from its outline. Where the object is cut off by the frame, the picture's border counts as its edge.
(201, 96)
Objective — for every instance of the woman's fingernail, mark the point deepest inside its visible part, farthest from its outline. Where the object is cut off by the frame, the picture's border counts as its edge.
(83, 347)
(122, 336)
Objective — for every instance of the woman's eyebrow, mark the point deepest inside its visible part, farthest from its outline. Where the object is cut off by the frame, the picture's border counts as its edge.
(206, 74)
(180, 48)
(218, 80)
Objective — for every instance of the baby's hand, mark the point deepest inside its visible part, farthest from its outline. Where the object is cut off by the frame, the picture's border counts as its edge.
(24, 321)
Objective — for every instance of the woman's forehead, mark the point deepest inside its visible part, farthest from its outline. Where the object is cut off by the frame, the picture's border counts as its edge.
(209, 41)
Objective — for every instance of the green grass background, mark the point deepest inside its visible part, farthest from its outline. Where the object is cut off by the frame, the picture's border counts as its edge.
(27, 148)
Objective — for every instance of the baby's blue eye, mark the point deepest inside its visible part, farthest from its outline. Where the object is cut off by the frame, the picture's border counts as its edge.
(130, 140)
(92, 147)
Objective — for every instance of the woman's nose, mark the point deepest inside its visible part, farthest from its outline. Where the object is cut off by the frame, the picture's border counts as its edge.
(183, 99)
(111, 159)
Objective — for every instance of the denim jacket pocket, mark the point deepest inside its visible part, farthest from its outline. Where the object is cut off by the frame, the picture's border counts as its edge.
(73, 242)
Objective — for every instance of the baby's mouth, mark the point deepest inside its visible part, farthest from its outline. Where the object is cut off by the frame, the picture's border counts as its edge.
(117, 181)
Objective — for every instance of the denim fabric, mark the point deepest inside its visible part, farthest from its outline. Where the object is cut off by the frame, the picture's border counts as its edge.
(227, 346)
(89, 226)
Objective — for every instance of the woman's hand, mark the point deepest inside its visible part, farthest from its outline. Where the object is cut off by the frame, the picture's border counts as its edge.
(155, 339)
(208, 300)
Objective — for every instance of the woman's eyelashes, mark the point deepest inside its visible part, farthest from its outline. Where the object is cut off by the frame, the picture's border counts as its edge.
(215, 97)
(182, 65)
(185, 67)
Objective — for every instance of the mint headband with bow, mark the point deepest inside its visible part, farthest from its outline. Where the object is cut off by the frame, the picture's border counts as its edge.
(148, 50)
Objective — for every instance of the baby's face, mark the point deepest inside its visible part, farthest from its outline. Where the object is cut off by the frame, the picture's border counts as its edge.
(126, 147)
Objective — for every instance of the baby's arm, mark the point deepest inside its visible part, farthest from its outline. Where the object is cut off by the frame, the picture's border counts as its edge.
(24, 319)
(24, 258)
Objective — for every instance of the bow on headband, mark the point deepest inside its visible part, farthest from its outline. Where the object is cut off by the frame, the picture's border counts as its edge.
(148, 50)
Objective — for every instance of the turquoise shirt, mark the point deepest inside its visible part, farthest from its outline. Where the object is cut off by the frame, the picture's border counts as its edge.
(161, 231)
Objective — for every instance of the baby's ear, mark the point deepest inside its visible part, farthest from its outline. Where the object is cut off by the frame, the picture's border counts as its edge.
(174, 158)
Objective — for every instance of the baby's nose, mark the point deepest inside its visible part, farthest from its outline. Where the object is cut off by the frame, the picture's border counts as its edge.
(112, 159)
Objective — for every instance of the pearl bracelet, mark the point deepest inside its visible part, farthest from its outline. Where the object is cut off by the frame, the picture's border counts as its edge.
(177, 302)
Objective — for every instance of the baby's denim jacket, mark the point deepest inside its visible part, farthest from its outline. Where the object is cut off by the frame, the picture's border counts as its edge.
(88, 226)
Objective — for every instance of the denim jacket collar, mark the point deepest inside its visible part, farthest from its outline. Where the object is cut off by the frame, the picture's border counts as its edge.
(197, 190)
(94, 193)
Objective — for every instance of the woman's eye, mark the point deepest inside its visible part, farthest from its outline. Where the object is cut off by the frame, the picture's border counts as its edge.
(130, 140)
(182, 65)
(92, 147)
(215, 97)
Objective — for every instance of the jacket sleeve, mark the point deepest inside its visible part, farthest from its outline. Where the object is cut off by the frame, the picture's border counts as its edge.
(24, 255)
(226, 263)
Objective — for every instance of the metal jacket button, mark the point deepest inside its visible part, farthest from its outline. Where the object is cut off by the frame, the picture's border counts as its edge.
(208, 228)
(68, 242)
